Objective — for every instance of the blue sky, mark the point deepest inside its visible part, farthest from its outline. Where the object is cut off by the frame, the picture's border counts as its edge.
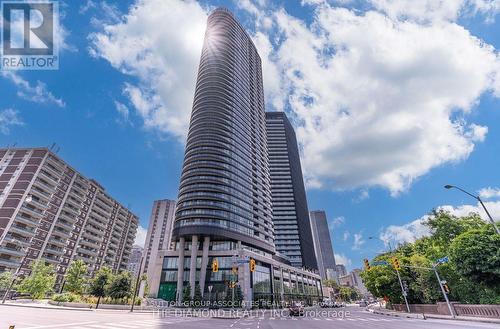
(391, 100)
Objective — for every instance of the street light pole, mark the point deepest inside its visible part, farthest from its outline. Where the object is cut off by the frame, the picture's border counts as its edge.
(136, 286)
(480, 201)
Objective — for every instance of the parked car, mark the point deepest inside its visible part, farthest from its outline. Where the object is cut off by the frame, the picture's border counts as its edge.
(296, 309)
(363, 303)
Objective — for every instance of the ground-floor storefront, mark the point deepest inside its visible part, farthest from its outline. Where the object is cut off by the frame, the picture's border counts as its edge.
(271, 282)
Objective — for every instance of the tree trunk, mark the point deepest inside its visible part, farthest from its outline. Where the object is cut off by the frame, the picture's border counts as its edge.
(98, 300)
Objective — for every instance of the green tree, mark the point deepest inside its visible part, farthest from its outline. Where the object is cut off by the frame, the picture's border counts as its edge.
(330, 284)
(477, 255)
(76, 277)
(186, 294)
(119, 287)
(40, 281)
(197, 294)
(5, 280)
(99, 283)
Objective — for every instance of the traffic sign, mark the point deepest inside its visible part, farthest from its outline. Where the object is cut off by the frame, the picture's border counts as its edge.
(379, 263)
(443, 260)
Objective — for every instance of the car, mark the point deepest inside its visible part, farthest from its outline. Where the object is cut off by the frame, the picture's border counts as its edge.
(296, 309)
(327, 303)
(363, 303)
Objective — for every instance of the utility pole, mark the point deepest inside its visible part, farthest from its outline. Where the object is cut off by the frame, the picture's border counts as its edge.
(136, 286)
(403, 291)
(444, 292)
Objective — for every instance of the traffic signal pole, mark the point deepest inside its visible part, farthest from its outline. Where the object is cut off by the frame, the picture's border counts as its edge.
(444, 292)
(403, 291)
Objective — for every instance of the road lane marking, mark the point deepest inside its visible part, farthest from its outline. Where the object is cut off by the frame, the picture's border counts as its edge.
(62, 325)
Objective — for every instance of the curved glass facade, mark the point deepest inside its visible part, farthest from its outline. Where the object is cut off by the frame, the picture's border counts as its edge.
(225, 184)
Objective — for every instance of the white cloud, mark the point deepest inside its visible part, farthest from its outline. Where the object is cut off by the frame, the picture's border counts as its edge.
(37, 94)
(489, 193)
(9, 118)
(155, 43)
(124, 114)
(346, 235)
(337, 221)
(363, 195)
(405, 233)
(415, 229)
(140, 237)
(342, 259)
(379, 98)
(358, 241)
(380, 101)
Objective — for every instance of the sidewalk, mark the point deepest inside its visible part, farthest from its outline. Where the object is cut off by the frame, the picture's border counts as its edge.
(383, 311)
(44, 304)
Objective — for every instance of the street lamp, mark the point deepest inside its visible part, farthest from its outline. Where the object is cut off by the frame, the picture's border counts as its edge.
(480, 201)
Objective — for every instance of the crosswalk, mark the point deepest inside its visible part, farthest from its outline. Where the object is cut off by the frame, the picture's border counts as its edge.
(136, 324)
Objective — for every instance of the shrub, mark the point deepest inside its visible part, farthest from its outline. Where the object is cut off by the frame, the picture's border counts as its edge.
(66, 297)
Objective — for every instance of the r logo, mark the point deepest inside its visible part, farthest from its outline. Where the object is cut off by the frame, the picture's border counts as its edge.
(28, 28)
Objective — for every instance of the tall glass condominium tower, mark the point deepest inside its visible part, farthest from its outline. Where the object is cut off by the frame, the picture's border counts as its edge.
(225, 191)
(293, 236)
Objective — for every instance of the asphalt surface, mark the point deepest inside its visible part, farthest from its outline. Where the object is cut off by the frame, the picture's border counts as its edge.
(353, 318)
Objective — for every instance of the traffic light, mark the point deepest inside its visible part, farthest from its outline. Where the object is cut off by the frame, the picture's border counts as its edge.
(367, 264)
(395, 263)
(252, 265)
(215, 265)
(446, 287)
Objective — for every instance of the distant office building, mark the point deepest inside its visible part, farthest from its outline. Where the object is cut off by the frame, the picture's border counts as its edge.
(323, 245)
(51, 212)
(353, 279)
(159, 233)
(341, 270)
(134, 263)
(292, 230)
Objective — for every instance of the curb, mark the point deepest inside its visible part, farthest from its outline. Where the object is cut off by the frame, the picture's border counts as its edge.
(50, 308)
(436, 317)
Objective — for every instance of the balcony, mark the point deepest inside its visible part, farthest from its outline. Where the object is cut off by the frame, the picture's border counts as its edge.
(67, 217)
(44, 185)
(90, 244)
(88, 252)
(32, 211)
(72, 211)
(51, 259)
(74, 203)
(51, 179)
(10, 263)
(40, 194)
(12, 251)
(61, 233)
(57, 242)
(17, 240)
(53, 249)
(58, 165)
(64, 225)
(23, 231)
(94, 230)
(53, 171)
(97, 223)
(27, 220)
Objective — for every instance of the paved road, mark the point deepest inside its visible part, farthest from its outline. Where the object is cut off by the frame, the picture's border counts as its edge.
(30, 318)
